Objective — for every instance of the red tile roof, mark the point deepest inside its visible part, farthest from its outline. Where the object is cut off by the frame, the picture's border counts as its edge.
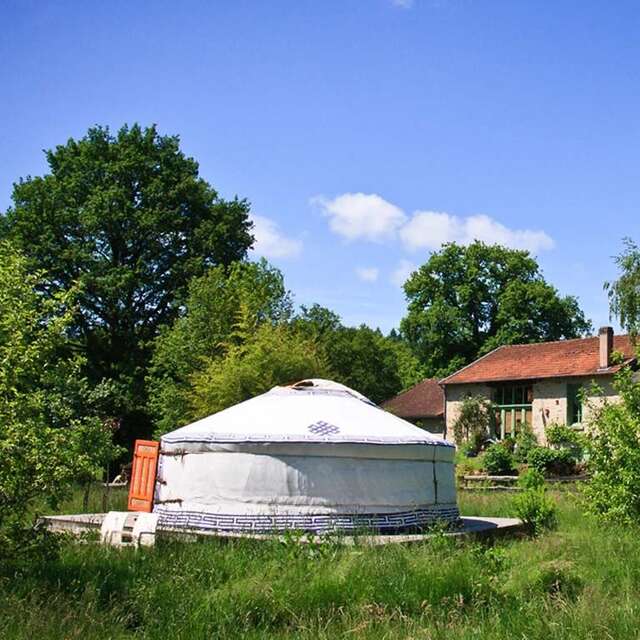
(424, 400)
(579, 357)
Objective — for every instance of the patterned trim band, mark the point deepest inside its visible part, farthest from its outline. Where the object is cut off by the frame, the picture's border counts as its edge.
(381, 522)
(268, 437)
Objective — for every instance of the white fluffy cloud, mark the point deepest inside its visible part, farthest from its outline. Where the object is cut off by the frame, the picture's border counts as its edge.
(367, 274)
(362, 216)
(430, 229)
(402, 4)
(271, 242)
(402, 272)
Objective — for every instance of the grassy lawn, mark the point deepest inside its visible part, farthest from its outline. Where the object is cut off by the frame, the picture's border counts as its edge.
(581, 581)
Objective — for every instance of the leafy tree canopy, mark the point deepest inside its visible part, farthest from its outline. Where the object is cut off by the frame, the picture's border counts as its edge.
(624, 293)
(128, 218)
(363, 359)
(257, 360)
(208, 326)
(467, 300)
(48, 435)
(377, 366)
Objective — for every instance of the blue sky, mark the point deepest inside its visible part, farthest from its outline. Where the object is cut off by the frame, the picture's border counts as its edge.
(363, 132)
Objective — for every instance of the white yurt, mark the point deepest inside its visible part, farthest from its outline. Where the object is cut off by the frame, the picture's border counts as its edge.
(315, 456)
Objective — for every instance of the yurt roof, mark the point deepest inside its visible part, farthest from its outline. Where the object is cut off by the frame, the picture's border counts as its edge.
(314, 411)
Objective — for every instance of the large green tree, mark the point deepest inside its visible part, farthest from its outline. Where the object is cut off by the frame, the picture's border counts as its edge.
(256, 359)
(377, 366)
(467, 300)
(251, 291)
(127, 217)
(363, 359)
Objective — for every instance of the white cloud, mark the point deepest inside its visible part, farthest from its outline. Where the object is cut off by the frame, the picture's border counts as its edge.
(270, 241)
(430, 229)
(367, 274)
(361, 216)
(402, 4)
(402, 272)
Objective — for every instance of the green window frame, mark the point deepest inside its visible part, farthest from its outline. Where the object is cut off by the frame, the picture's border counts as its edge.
(514, 406)
(574, 404)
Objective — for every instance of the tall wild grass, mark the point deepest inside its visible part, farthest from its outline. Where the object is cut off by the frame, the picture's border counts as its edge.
(581, 581)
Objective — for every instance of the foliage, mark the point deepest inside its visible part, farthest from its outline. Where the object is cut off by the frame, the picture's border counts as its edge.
(561, 436)
(531, 479)
(613, 446)
(45, 442)
(317, 322)
(199, 336)
(466, 465)
(410, 369)
(129, 218)
(474, 422)
(363, 359)
(624, 293)
(559, 462)
(498, 459)
(377, 366)
(467, 300)
(536, 509)
(263, 357)
(525, 440)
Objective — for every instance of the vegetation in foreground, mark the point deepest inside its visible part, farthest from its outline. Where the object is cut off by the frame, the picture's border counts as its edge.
(580, 581)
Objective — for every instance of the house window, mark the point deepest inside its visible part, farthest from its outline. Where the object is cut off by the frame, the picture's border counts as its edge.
(513, 409)
(574, 404)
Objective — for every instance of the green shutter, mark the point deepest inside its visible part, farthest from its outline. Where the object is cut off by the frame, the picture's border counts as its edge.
(574, 404)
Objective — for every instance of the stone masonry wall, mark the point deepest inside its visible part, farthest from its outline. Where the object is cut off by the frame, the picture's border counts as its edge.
(549, 404)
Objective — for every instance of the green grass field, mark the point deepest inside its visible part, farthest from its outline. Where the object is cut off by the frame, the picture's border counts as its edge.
(581, 581)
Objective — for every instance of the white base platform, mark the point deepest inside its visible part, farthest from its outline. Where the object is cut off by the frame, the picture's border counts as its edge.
(469, 526)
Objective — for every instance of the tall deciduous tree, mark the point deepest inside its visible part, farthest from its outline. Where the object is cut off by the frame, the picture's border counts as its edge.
(624, 293)
(261, 357)
(363, 359)
(377, 366)
(128, 219)
(466, 300)
(199, 336)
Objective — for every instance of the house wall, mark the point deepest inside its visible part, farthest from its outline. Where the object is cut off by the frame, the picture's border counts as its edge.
(549, 404)
(454, 395)
(433, 425)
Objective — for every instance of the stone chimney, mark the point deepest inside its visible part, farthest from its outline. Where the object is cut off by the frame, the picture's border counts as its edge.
(605, 335)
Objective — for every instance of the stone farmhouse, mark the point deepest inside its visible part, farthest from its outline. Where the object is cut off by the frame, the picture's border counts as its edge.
(540, 384)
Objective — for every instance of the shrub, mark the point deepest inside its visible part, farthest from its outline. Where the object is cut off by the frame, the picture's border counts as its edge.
(536, 510)
(525, 440)
(612, 444)
(560, 436)
(498, 459)
(474, 422)
(531, 479)
(551, 461)
(467, 450)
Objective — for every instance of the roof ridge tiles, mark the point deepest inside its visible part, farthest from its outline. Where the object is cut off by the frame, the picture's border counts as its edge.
(466, 366)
